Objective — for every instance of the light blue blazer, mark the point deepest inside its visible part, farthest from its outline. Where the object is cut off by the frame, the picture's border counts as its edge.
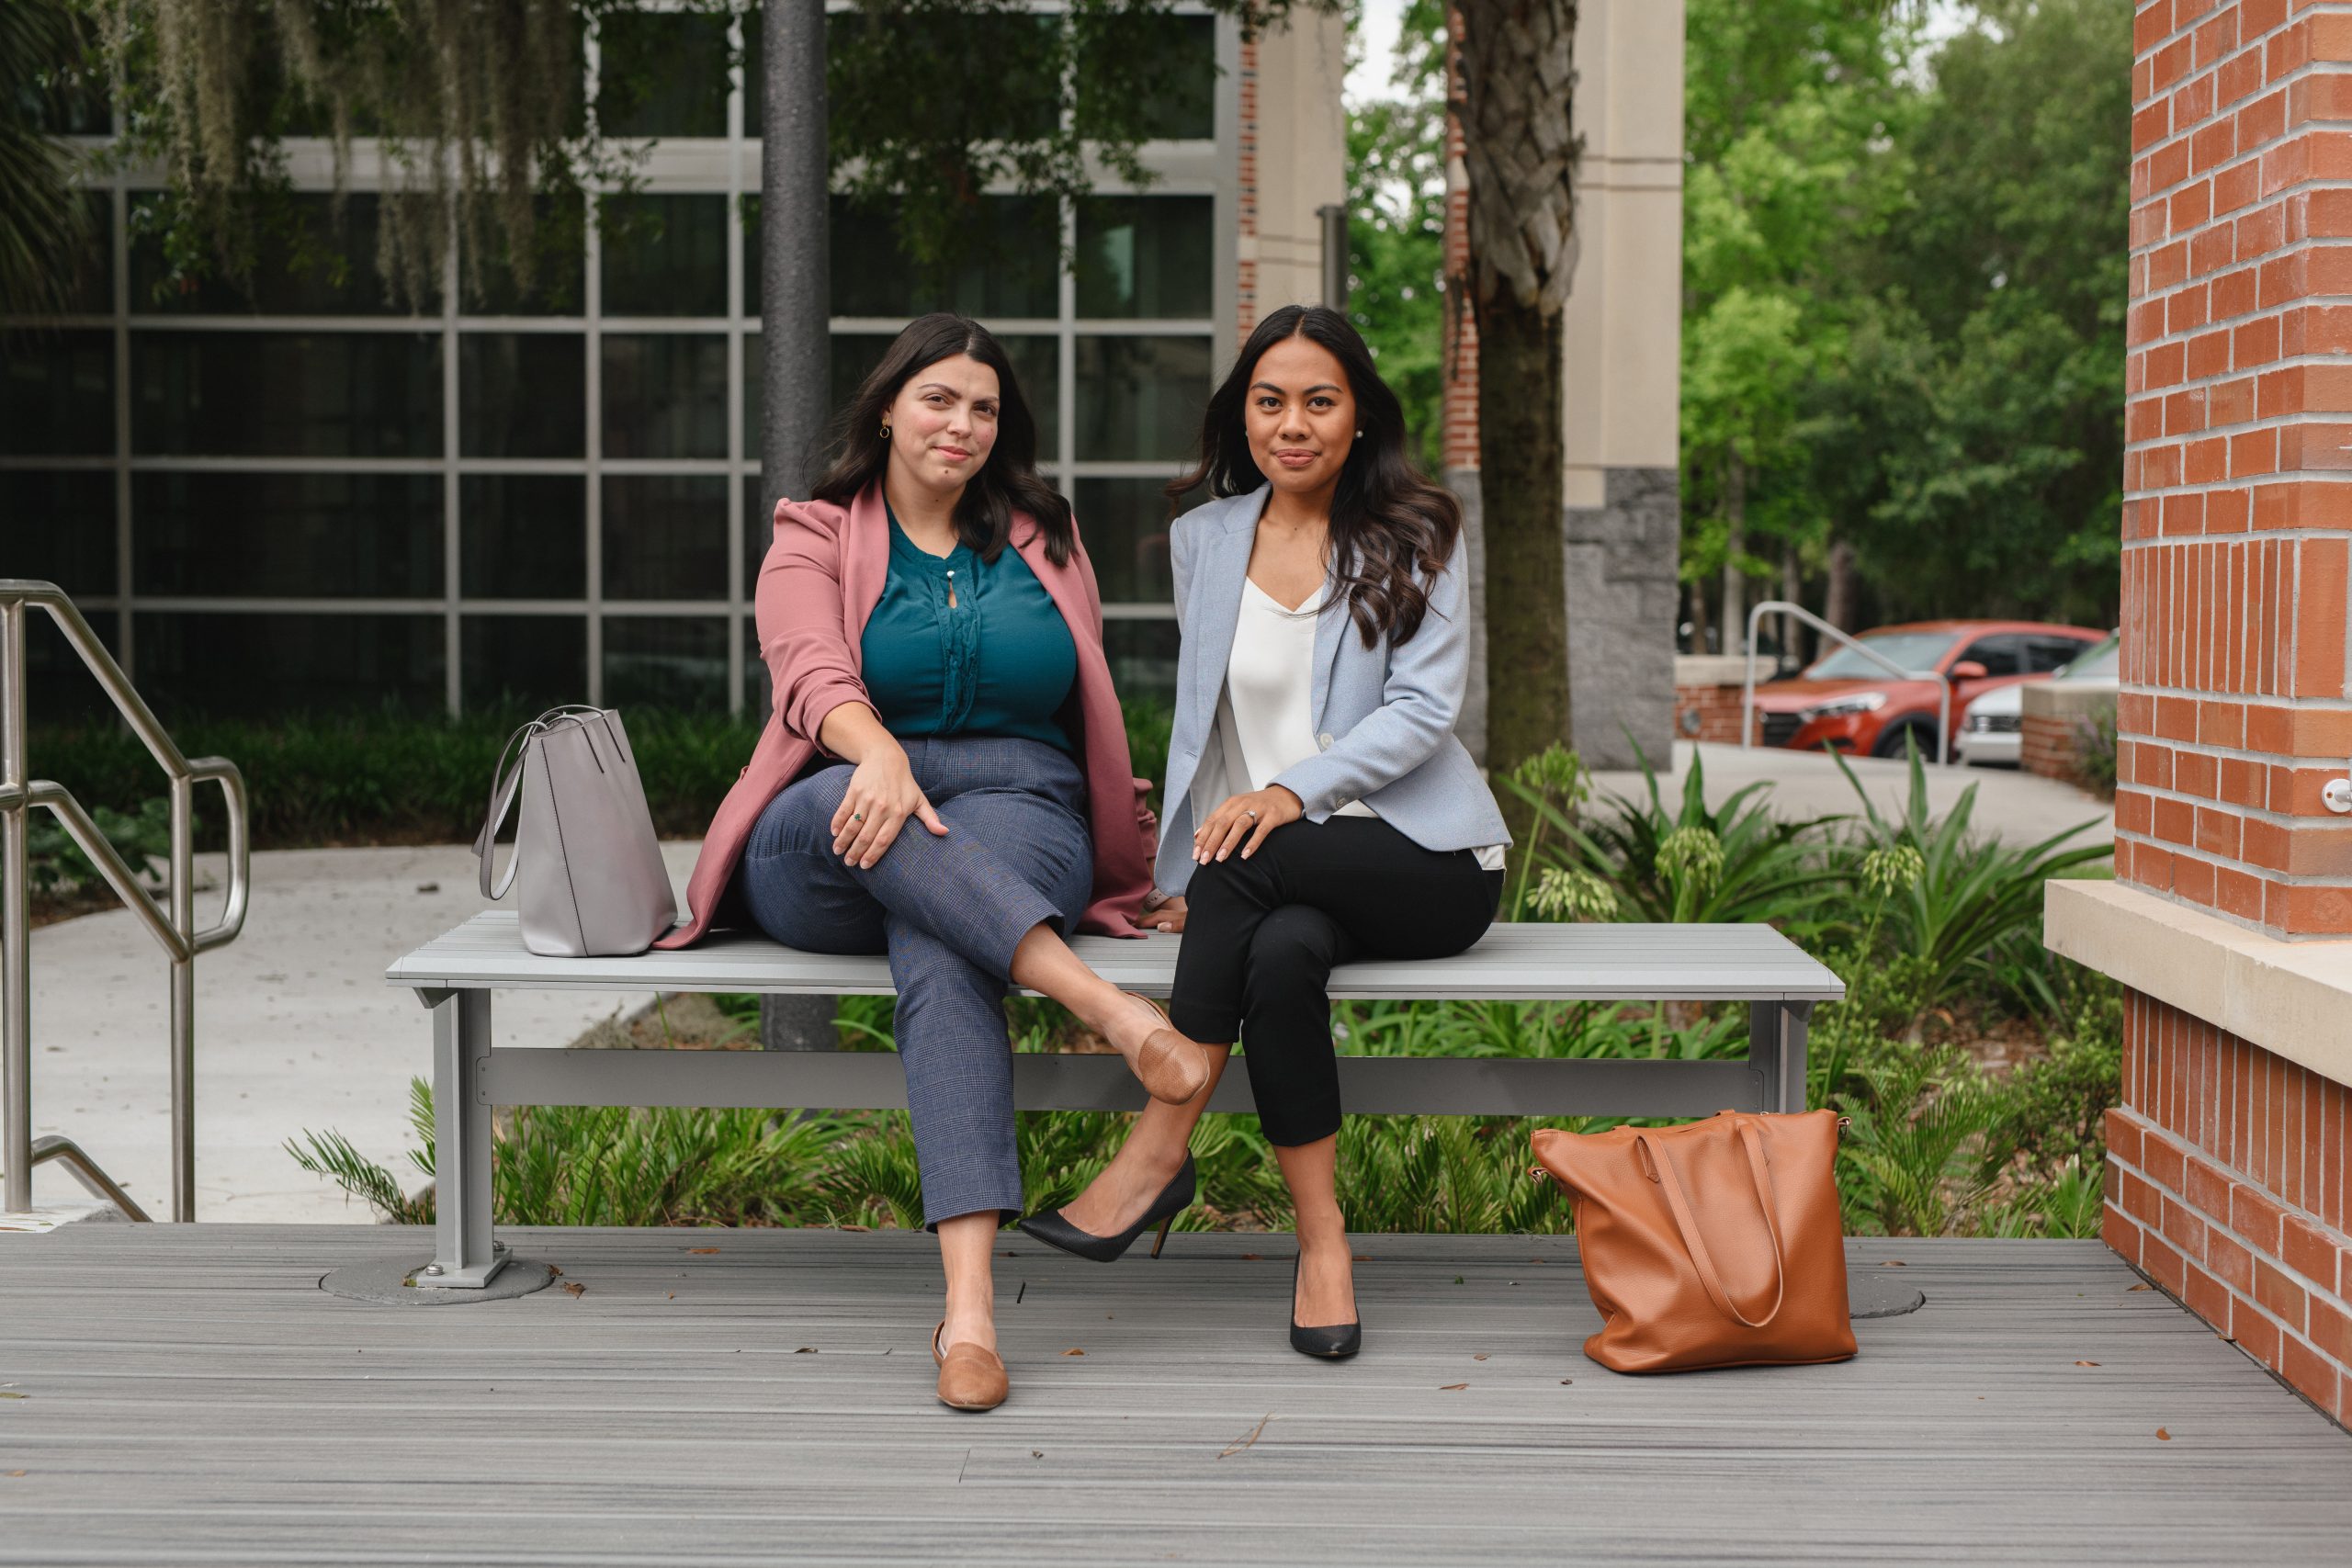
(1385, 714)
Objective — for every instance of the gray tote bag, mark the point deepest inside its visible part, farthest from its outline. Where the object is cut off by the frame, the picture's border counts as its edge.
(594, 884)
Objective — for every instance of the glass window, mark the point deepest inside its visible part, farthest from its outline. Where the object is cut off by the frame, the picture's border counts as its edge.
(522, 395)
(666, 396)
(61, 529)
(1144, 255)
(1036, 360)
(59, 688)
(662, 75)
(308, 263)
(2095, 662)
(1161, 68)
(523, 536)
(287, 394)
(664, 256)
(91, 287)
(1143, 658)
(1124, 523)
(522, 664)
(559, 281)
(2000, 655)
(2044, 654)
(1914, 651)
(286, 535)
(1140, 397)
(665, 662)
(1006, 58)
(206, 662)
(57, 393)
(665, 537)
(758, 695)
(1012, 269)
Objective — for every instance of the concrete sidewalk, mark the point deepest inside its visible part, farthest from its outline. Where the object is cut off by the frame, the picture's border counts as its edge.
(2014, 806)
(295, 1030)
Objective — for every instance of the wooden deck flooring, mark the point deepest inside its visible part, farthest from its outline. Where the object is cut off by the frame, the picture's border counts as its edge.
(186, 1394)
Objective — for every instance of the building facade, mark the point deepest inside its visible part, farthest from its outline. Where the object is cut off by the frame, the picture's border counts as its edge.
(314, 497)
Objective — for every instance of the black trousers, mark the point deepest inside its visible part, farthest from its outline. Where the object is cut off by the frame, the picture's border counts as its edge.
(1262, 936)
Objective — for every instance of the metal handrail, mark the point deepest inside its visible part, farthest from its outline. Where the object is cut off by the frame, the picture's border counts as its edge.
(1948, 752)
(176, 932)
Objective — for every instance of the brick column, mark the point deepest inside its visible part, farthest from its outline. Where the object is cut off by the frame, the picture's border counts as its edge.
(2228, 1182)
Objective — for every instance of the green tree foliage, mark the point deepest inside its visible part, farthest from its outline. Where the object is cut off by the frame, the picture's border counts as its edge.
(1396, 226)
(1904, 285)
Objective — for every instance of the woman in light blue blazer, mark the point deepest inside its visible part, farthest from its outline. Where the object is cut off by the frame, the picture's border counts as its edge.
(1319, 806)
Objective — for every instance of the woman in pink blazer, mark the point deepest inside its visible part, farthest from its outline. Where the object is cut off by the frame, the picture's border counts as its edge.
(944, 778)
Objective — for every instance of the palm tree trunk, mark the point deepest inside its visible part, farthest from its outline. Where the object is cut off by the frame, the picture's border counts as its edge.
(1519, 479)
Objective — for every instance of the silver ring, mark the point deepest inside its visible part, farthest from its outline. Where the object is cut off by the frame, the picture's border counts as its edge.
(1249, 813)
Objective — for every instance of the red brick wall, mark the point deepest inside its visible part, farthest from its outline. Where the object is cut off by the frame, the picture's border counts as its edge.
(2229, 1183)
(1246, 270)
(2238, 516)
(1461, 341)
(1707, 713)
(2050, 746)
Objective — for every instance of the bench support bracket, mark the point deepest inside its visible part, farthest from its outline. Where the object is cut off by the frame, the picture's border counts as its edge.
(465, 1256)
(1776, 1039)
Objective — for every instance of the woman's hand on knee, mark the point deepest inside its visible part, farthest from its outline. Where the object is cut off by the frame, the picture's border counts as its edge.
(881, 796)
(1243, 822)
(1163, 911)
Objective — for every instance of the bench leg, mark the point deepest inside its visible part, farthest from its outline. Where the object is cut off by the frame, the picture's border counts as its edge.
(465, 1256)
(1776, 1038)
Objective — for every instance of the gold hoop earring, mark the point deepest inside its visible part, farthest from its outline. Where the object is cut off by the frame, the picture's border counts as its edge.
(885, 433)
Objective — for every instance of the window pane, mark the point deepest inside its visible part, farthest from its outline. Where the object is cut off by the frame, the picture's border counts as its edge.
(60, 530)
(1124, 524)
(759, 695)
(1144, 255)
(665, 537)
(1005, 61)
(522, 395)
(59, 688)
(523, 536)
(665, 255)
(295, 536)
(1161, 68)
(666, 396)
(1140, 397)
(287, 394)
(662, 75)
(1013, 270)
(307, 266)
(206, 662)
(560, 249)
(1143, 659)
(92, 278)
(670, 664)
(522, 664)
(57, 393)
(2001, 655)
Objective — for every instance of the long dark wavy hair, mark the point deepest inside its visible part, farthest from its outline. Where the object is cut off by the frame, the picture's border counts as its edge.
(1008, 482)
(1392, 529)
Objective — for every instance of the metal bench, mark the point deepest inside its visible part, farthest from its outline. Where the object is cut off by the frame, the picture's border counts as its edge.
(454, 974)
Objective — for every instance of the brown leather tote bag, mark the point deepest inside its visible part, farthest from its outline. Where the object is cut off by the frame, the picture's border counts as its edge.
(1717, 1244)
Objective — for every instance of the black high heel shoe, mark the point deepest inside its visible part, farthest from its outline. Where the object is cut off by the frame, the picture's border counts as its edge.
(1335, 1343)
(1050, 1227)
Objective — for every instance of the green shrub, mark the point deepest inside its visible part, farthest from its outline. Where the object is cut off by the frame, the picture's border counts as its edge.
(55, 863)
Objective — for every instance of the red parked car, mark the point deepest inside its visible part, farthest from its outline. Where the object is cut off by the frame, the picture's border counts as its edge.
(1850, 703)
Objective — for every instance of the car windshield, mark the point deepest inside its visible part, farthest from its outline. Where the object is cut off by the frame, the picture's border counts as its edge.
(2100, 664)
(1917, 651)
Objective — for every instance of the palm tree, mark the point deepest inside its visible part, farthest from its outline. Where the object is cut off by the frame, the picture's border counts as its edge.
(1520, 152)
(44, 223)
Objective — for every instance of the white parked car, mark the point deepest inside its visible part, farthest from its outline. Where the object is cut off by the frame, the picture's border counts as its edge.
(1991, 736)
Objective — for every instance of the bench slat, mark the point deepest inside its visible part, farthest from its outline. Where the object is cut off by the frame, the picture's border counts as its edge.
(1526, 962)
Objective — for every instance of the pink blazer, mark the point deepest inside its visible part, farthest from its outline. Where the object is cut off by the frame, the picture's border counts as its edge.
(823, 577)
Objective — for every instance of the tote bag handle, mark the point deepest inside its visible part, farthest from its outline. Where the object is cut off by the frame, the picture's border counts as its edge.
(1670, 1179)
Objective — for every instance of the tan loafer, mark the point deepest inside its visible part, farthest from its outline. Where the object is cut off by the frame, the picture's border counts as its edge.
(969, 1377)
(1171, 1066)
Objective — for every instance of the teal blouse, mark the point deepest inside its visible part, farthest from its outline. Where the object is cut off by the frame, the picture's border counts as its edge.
(999, 661)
